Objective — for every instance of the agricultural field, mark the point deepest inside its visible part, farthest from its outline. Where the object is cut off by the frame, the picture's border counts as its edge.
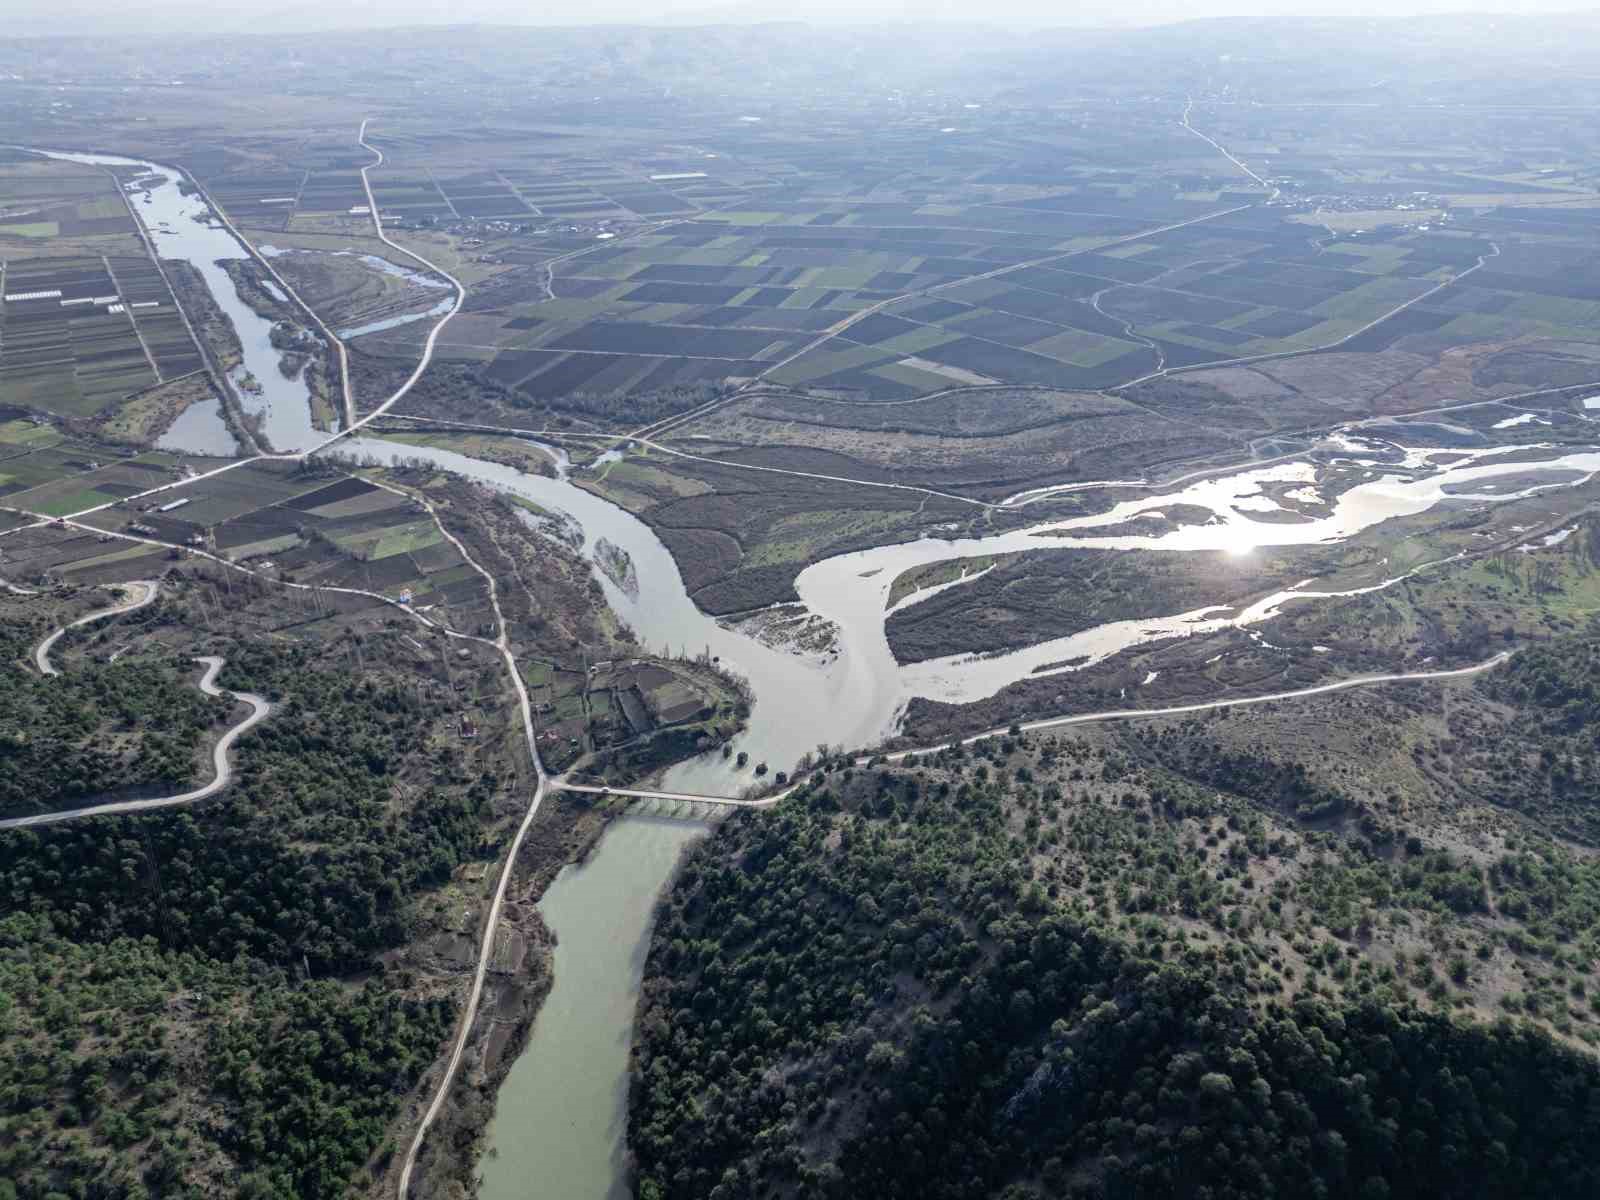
(87, 319)
(331, 530)
(303, 526)
(60, 208)
(984, 443)
(901, 289)
(43, 471)
(618, 718)
(314, 190)
(1212, 312)
(69, 343)
(752, 291)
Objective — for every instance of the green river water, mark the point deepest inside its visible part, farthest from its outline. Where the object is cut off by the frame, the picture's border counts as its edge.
(561, 1115)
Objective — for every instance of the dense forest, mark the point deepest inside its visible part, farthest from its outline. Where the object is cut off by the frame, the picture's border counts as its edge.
(1065, 967)
(198, 994)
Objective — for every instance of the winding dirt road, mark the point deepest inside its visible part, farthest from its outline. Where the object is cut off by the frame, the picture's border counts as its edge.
(144, 591)
(221, 764)
(1130, 714)
(355, 422)
(502, 645)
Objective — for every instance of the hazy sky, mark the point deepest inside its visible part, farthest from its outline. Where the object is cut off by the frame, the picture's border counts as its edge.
(107, 16)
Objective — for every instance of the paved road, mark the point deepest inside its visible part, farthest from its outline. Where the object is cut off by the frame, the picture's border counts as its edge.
(143, 592)
(221, 765)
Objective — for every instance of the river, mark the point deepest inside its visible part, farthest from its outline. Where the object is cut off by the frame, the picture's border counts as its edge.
(184, 228)
(857, 698)
(561, 1117)
(560, 1123)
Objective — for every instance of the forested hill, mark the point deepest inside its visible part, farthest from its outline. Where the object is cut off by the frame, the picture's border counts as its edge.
(193, 1002)
(1038, 970)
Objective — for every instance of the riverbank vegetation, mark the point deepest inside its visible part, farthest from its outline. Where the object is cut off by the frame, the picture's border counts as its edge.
(741, 537)
(1449, 587)
(1033, 597)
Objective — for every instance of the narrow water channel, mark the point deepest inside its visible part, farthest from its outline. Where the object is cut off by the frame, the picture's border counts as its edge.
(560, 1121)
(185, 229)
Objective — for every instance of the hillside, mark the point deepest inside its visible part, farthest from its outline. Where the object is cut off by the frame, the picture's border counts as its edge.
(1137, 962)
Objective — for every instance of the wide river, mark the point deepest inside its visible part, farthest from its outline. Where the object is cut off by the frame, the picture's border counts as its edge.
(856, 698)
(560, 1120)
(559, 1128)
(561, 1116)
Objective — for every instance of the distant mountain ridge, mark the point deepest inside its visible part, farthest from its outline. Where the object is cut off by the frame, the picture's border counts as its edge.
(96, 18)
